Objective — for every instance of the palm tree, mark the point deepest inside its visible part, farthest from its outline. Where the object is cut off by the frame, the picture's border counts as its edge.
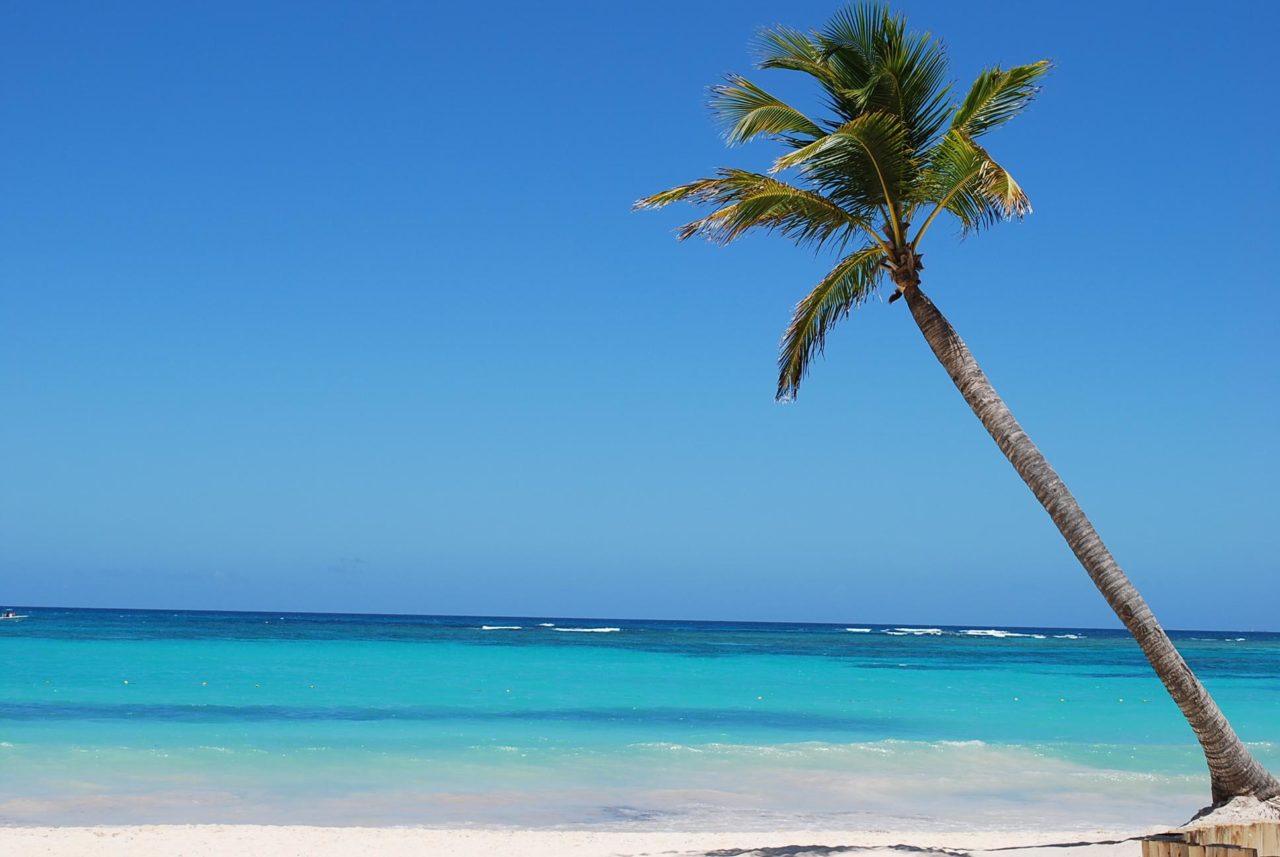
(871, 180)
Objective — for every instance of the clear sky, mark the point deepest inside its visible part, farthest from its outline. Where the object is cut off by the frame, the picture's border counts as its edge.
(319, 306)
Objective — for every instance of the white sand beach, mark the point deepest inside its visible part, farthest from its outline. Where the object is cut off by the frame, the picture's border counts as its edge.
(279, 841)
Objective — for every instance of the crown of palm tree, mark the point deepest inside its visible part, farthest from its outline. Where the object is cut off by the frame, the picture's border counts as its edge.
(871, 178)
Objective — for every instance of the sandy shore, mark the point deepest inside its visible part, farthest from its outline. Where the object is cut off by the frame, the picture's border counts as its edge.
(280, 841)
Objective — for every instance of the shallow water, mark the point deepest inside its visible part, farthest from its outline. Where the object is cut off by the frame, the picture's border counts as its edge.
(148, 716)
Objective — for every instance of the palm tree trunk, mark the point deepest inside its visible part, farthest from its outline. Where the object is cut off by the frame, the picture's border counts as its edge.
(1233, 770)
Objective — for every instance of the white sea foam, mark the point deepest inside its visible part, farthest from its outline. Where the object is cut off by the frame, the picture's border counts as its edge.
(589, 630)
(915, 632)
(812, 749)
(667, 746)
(500, 627)
(546, 624)
(1068, 636)
(998, 634)
(858, 630)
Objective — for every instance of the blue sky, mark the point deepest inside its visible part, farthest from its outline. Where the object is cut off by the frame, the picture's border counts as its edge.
(325, 306)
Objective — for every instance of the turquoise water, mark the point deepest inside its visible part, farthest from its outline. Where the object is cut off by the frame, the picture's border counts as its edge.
(147, 716)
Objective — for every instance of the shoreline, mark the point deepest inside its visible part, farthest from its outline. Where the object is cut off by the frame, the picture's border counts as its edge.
(315, 841)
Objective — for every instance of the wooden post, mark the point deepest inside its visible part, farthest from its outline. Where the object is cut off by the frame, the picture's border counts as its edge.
(1163, 845)
(1229, 851)
(1260, 839)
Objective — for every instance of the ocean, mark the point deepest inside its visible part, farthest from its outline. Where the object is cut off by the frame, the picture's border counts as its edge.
(133, 716)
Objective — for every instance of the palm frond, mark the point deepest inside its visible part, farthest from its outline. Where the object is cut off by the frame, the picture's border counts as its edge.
(892, 148)
(916, 71)
(700, 190)
(747, 201)
(852, 281)
(793, 50)
(997, 96)
(749, 111)
(962, 178)
(848, 45)
(868, 159)
(881, 67)
(860, 29)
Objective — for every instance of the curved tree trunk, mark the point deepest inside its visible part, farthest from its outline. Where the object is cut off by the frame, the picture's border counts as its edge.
(1233, 770)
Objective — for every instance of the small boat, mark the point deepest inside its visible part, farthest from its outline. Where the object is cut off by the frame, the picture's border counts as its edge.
(11, 615)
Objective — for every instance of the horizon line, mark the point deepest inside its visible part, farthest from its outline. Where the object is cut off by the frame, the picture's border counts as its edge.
(842, 624)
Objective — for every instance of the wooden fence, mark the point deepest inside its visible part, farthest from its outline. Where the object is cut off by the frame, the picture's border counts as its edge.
(1261, 839)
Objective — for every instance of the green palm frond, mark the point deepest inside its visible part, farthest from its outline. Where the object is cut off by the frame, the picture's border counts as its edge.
(892, 153)
(963, 179)
(868, 159)
(997, 96)
(862, 28)
(881, 67)
(849, 45)
(749, 111)
(747, 201)
(785, 48)
(916, 72)
(853, 280)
